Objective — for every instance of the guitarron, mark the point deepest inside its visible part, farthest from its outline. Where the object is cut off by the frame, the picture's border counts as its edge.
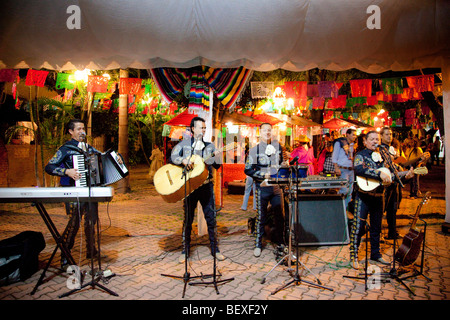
(408, 252)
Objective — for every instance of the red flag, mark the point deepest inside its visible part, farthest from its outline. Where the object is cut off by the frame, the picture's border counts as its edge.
(97, 84)
(421, 83)
(129, 85)
(36, 78)
(361, 88)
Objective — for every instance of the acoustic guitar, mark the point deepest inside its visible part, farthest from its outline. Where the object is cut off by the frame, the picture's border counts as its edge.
(369, 184)
(169, 180)
(408, 252)
(404, 163)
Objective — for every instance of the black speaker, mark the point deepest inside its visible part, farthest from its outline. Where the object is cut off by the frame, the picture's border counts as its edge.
(322, 220)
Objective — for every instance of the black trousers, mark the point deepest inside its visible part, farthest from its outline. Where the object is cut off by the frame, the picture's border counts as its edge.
(205, 195)
(76, 211)
(392, 201)
(372, 207)
(264, 196)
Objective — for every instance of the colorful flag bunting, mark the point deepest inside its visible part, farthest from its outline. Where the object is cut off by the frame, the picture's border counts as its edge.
(36, 78)
(97, 84)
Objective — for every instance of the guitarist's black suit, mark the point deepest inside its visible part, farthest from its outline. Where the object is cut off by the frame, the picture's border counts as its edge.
(204, 194)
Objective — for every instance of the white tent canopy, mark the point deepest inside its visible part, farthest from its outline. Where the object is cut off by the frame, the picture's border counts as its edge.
(260, 35)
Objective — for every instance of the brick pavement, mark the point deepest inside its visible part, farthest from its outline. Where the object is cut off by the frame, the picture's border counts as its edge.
(141, 235)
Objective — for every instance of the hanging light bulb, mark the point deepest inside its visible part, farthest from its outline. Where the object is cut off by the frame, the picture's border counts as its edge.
(82, 75)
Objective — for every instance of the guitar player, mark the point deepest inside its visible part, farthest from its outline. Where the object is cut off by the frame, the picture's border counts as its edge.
(181, 154)
(371, 203)
(393, 192)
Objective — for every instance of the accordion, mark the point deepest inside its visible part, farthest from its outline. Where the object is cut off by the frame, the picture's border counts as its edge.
(104, 169)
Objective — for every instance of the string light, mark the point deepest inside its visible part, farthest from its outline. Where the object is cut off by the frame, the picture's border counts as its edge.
(82, 75)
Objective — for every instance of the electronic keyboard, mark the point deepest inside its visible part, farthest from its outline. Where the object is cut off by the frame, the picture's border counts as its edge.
(58, 194)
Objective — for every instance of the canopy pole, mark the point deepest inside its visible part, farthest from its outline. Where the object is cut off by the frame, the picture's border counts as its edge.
(446, 106)
(123, 185)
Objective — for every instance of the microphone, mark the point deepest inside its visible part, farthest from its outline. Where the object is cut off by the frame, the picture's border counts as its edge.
(293, 161)
(83, 135)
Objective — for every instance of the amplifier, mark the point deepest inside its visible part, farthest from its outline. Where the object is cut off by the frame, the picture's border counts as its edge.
(322, 220)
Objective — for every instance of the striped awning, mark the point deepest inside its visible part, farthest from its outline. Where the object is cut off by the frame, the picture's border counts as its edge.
(227, 84)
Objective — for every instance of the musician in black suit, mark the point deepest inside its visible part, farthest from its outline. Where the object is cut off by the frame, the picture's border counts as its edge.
(62, 165)
(366, 164)
(263, 161)
(181, 155)
(393, 191)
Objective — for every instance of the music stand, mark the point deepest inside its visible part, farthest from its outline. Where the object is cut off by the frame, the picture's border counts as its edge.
(92, 213)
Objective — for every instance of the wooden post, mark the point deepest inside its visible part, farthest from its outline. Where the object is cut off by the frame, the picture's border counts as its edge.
(123, 185)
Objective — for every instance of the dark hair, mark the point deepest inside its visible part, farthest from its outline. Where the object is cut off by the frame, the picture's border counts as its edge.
(349, 131)
(385, 129)
(71, 124)
(264, 123)
(195, 119)
(372, 131)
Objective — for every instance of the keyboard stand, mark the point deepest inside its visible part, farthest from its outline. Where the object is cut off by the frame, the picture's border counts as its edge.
(58, 239)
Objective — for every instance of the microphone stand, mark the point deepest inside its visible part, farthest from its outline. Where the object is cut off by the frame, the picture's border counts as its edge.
(214, 281)
(92, 215)
(393, 273)
(187, 276)
(296, 277)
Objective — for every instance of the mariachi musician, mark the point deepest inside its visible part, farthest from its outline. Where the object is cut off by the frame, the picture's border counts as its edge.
(62, 165)
(181, 155)
(366, 164)
(262, 162)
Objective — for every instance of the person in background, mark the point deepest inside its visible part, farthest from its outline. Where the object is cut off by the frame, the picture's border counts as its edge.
(436, 150)
(325, 162)
(412, 153)
(305, 153)
(157, 161)
(343, 155)
(249, 187)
